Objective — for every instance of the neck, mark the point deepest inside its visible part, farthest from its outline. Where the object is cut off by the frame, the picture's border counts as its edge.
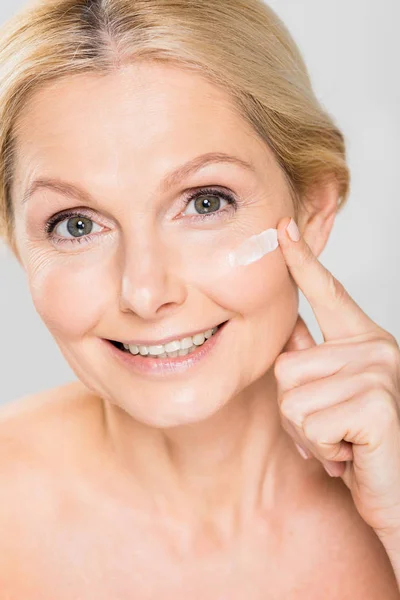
(228, 467)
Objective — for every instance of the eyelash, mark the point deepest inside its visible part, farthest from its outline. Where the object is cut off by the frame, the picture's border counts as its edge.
(51, 223)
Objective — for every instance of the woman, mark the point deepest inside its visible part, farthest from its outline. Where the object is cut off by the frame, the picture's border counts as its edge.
(140, 142)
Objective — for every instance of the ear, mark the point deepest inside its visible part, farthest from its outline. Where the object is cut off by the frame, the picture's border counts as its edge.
(317, 214)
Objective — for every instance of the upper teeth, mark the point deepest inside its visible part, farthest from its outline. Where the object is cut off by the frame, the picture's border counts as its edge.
(175, 348)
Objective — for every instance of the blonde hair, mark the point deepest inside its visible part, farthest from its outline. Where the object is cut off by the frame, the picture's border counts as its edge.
(240, 45)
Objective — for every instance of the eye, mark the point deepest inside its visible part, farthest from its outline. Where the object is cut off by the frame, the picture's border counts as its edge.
(70, 226)
(77, 226)
(208, 201)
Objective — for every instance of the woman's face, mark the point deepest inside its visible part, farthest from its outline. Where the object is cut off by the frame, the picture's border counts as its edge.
(142, 264)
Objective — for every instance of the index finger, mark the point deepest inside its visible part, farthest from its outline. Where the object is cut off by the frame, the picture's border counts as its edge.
(338, 315)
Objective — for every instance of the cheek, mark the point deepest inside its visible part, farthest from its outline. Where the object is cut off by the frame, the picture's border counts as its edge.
(266, 299)
(70, 297)
(263, 287)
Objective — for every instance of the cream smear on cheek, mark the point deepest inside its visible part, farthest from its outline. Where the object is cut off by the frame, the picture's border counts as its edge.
(244, 279)
(218, 268)
(254, 248)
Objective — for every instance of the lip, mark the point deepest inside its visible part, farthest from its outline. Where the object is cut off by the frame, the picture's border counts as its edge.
(161, 367)
(171, 338)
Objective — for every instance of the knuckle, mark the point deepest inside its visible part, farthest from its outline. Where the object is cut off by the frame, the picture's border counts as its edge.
(389, 415)
(288, 413)
(281, 365)
(309, 432)
(311, 429)
(305, 258)
(284, 407)
(383, 380)
(337, 291)
(374, 378)
(287, 406)
(382, 409)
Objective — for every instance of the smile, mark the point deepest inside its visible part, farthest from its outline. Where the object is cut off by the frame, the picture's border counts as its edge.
(163, 359)
(174, 348)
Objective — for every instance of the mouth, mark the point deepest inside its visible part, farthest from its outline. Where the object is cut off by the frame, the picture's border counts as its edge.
(176, 348)
(166, 363)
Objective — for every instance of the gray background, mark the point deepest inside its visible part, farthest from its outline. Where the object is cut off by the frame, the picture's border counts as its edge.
(352, 50)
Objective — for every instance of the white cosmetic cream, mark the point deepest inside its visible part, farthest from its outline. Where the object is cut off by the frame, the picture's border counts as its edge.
(254, 248)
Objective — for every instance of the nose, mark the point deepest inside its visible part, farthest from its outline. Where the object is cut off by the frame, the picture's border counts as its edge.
(150, 285)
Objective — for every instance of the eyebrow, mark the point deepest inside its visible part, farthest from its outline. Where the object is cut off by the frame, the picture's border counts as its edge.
(171, 179)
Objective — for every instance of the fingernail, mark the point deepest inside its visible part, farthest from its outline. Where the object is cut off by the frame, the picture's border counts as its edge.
(293, 231)
(302, 452)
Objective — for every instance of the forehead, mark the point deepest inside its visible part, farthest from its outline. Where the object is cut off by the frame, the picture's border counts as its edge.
(143, 119)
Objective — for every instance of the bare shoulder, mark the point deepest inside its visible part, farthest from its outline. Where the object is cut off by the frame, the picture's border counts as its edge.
(53, 402)
(33, 422)
(38, 438)
(40, 446)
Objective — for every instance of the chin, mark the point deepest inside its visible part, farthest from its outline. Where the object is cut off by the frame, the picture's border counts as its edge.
(185, 409)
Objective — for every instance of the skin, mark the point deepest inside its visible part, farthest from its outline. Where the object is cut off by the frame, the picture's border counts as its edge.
(139, 124)
(204, 451)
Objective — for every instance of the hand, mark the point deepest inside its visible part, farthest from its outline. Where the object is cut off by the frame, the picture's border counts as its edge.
(340, 400)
